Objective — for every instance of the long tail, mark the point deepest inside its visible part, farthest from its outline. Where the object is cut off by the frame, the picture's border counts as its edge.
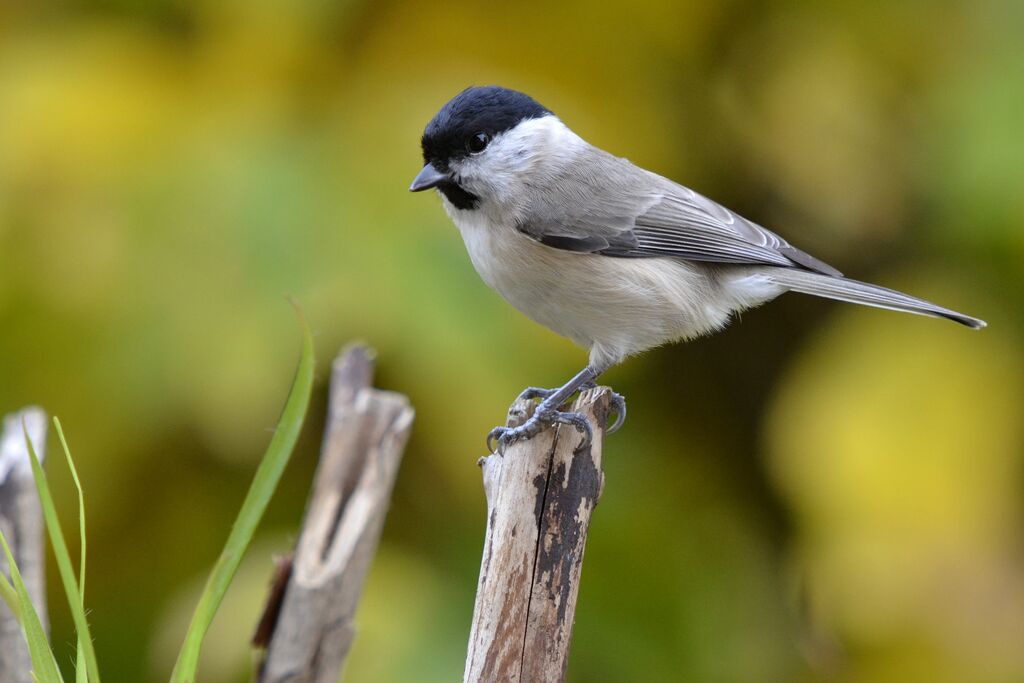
(852, 291)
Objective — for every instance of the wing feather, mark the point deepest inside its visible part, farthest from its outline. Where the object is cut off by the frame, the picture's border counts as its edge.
(645, 216)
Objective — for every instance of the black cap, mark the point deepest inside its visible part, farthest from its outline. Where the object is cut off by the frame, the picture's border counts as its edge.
(483, 109)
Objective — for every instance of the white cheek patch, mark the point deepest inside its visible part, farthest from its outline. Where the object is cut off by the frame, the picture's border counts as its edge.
(515, 156)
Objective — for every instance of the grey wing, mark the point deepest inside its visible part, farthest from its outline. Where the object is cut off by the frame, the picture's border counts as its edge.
(625, 211)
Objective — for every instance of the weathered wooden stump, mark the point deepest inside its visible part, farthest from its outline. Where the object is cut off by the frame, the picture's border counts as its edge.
(540, 497)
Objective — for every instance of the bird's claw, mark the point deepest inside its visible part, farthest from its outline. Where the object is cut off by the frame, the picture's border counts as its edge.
(581, 424)
(495, 439)
(530, 393)
(618, 406)
(500, 438)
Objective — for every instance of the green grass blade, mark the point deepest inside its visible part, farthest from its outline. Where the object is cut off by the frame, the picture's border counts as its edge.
(81, 674)
(81, 670)
(260, 491)
(81, 502)
(10, 597)
(44, 666)
(64, 567)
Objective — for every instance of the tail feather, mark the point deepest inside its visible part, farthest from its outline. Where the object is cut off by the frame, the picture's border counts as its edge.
(852, 291)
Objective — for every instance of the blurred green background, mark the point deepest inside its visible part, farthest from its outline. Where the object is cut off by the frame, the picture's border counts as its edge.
(820, 493)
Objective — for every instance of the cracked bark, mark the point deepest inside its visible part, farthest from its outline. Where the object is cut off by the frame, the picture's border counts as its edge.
(540, 497)
(307, 627)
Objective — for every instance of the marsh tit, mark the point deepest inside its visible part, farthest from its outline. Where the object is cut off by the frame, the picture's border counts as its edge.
(614, 257)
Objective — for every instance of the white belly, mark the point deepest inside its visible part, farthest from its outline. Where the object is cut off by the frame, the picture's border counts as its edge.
(613, 306)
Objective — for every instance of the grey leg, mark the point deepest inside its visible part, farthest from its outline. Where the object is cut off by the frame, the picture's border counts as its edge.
(548, 413)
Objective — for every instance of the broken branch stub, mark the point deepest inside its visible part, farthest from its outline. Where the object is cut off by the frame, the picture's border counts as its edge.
(21, 520)
(364, 438)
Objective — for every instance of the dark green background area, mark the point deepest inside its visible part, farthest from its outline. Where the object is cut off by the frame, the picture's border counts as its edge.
(819, 493)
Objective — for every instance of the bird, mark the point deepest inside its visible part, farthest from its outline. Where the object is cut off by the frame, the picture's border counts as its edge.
(612, 256)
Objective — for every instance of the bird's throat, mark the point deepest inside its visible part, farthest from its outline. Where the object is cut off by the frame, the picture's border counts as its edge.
(459, 198)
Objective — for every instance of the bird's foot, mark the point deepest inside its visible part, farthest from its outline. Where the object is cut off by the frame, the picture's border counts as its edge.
(548, 414)
(545, 416)
(618, 402)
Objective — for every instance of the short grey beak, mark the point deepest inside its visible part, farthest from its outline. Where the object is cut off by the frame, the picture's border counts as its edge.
(429, 177)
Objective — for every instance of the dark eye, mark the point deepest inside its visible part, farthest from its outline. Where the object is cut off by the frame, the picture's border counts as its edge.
(478, 142)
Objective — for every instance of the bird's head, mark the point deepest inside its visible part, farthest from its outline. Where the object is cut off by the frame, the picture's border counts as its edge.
(485, 143)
